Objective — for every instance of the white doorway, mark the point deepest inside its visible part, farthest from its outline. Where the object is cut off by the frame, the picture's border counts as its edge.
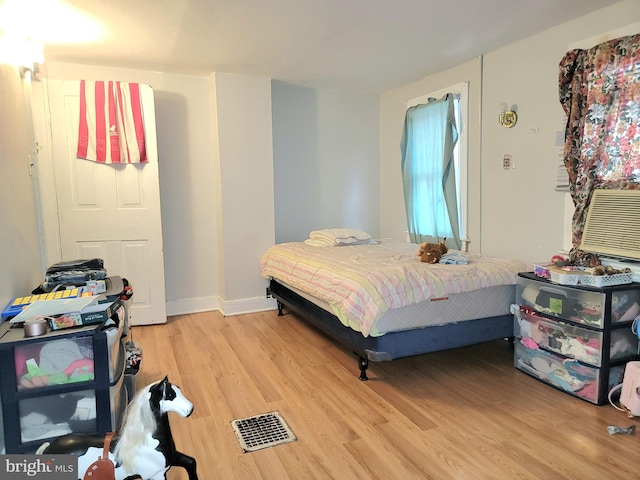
(92, 210)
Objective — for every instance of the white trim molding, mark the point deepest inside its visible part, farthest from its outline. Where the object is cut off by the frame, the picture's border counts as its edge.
(207, 304)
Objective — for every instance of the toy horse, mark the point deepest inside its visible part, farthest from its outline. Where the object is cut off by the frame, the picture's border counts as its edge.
(144, 447)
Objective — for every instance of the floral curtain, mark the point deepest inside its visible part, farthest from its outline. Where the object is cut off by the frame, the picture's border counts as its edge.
(600, 93)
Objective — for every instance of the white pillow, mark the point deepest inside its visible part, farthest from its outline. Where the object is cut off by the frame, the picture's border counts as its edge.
(338, 236)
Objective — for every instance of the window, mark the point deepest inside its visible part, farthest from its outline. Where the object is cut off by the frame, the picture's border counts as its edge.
(428, 223)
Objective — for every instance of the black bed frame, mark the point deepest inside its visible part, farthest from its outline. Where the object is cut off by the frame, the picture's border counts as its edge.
(393, 345)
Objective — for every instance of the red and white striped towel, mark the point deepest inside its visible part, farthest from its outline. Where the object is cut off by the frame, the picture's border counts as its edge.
(111, 123)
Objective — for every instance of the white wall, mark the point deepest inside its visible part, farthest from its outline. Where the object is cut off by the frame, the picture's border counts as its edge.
(519, 214)
(244, 155)
(533, 223)
(326, 157)
(20, 270)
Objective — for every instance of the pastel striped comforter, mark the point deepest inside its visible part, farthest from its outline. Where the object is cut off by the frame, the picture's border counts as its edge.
(362, 282)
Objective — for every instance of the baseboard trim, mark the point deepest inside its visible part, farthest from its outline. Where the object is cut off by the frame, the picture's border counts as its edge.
(187, 306)
(247, 305)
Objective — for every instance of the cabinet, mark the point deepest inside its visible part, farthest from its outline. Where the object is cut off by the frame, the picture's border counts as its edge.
(576, 338)
(64, 381)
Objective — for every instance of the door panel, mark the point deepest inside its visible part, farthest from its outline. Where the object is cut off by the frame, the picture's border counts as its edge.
(109, 211)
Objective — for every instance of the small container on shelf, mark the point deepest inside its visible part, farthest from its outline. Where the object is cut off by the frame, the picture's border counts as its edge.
(542, 270)
(565, 277)
(600, 281)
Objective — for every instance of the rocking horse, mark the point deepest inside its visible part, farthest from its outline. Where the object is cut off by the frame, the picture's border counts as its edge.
(144, 447)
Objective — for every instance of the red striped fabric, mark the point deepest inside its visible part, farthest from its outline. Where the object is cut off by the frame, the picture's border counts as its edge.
(111, 124)
(83, 134)
(138, 120)
(100, 142)
(114, 134)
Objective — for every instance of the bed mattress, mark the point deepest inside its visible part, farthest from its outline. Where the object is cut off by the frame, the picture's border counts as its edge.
(457, 307)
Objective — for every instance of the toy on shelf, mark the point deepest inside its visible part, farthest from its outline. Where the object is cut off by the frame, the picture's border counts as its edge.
(144, 447)
(18, 304)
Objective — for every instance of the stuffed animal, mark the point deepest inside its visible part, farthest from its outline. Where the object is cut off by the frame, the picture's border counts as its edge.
(432, 252)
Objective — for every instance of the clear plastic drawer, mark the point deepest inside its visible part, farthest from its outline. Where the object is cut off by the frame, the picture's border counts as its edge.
(64, 360)
(578, 305)
(54, 362)
(571, 340)
(115, 349)
(569, 376)
(55, 415)
(2, 447)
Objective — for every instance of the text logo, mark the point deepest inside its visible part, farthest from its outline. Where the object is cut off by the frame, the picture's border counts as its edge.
(40, 467)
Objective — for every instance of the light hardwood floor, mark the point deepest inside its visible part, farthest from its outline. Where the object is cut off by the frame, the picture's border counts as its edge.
(459, 414)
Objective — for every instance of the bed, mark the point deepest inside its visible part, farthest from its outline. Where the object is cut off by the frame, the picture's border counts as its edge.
(377, 299)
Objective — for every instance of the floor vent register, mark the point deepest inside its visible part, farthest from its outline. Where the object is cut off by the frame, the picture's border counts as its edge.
(262, 431)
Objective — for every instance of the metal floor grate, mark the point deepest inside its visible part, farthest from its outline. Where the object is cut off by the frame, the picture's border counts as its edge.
(262, 431)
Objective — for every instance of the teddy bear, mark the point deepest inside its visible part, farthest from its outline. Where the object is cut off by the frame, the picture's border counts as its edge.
(431, 252)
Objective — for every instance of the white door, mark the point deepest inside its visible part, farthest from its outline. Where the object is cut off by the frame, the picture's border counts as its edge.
(93, 210)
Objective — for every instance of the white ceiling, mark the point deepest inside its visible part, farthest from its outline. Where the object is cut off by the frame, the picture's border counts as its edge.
(367, 46)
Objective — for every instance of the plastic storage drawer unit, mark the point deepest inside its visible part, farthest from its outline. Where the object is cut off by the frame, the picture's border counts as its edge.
(576, 338)
(69, 380)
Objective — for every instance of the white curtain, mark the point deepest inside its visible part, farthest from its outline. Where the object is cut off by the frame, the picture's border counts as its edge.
(428, 172)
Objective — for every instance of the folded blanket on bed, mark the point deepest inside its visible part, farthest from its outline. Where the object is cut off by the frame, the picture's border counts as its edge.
(332, 237)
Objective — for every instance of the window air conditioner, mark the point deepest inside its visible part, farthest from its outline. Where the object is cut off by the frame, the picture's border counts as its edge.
(612, 227)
